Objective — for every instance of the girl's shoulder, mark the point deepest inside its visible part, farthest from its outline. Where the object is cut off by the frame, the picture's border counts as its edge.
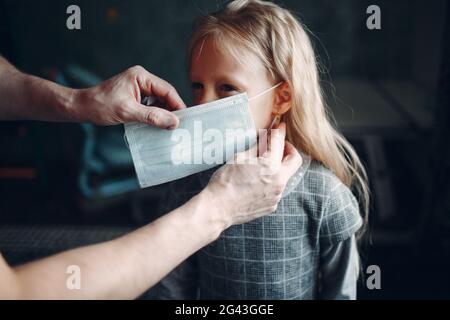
(315, 179)
(329, 202)
(321, 179)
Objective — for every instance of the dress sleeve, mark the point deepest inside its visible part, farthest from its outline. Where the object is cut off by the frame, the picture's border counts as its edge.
(339, 269)
(340, 217)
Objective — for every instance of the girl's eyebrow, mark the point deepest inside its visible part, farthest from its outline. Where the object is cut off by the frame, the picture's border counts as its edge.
(237, 81)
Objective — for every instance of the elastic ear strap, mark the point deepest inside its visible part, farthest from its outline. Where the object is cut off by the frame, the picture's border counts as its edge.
(265, 91)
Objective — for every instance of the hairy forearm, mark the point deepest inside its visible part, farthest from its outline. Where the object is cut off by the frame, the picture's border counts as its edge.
(127, 266)
(24, 96)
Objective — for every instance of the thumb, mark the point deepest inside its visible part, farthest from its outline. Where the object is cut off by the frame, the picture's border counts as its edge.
(155, 116)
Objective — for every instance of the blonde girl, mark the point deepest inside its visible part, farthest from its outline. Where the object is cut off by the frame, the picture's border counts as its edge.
(307, 248)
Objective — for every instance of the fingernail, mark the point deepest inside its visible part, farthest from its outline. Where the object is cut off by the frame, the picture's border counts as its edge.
(168, 121)
(171, 123)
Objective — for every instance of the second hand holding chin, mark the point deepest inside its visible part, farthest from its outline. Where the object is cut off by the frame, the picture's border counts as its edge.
(240, 193)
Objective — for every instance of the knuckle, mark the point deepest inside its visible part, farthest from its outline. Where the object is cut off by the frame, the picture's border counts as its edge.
(153, 116)
(135, 69)
(278, 197)
(278, 189)
(171, 92)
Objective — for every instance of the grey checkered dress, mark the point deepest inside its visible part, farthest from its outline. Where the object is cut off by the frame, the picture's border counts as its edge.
(279, 256)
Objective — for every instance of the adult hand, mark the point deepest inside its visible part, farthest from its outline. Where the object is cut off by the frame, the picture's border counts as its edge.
(118, 100)
(246, 190)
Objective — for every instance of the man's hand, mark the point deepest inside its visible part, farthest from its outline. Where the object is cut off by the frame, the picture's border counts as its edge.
(251, 187)
(114, 101)
(118, 100)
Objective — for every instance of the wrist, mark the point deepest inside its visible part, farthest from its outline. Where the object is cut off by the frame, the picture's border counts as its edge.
(56, 102)
(217, 206)
(69, 102)
(211, 212)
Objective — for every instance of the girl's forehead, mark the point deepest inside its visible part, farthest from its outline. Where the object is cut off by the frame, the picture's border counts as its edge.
(224, 53)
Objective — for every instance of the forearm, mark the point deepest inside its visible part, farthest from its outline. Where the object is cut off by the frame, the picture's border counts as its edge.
(127, 266)
(24, 96)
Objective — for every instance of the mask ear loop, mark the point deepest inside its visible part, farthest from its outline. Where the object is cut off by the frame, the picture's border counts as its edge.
(275, 121)
(277, 118)
(265, 91)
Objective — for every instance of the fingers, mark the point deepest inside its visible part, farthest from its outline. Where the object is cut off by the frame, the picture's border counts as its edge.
(150, 84)
(291, 162)
(275, 147)
(155, 116)
(245, 156)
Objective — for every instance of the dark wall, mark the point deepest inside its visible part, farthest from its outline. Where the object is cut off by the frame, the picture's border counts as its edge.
(118, 34)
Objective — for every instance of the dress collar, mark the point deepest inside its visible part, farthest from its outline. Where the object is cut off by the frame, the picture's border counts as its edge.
(298, 176)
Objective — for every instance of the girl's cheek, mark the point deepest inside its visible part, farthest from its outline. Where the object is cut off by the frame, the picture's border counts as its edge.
(262, 115)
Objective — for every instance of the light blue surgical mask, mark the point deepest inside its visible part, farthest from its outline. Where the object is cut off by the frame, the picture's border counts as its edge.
(208, 135)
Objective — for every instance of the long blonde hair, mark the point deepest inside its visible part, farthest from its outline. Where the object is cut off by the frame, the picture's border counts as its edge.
(279, 40)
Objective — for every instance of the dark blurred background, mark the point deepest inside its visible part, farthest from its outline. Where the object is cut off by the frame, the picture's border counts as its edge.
(64, 185)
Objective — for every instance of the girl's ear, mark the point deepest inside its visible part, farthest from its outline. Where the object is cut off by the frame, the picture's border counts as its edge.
(282, 100)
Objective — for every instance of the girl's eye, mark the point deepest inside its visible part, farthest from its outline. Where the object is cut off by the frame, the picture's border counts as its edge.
(197, 85)
(228, 88)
